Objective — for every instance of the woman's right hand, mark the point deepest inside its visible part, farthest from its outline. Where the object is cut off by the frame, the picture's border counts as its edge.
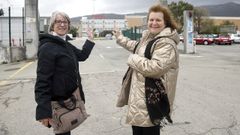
(116, 33)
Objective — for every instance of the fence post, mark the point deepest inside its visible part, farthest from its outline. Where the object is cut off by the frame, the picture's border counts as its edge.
(23, 28)
(10, 36)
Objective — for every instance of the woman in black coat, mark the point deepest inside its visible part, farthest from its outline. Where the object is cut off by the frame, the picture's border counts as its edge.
(58, 69)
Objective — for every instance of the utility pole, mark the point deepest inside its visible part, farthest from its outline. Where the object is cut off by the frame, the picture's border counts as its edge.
(10, 33)
(93, 19)
(31, 28)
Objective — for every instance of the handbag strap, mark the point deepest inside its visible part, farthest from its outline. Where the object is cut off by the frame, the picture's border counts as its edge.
(76, 71)
(135, 48)
(128, 70)
(70, 106)
(147, 52)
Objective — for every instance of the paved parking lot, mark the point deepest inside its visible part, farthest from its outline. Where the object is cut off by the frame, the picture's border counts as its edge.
(206, 100)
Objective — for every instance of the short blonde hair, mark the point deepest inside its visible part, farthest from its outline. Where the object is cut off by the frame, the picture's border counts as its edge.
(54, 17)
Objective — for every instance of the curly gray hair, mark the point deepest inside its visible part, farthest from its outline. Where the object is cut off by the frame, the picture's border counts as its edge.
(54, 17)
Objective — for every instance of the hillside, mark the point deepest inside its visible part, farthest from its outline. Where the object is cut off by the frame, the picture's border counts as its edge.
(228, 9)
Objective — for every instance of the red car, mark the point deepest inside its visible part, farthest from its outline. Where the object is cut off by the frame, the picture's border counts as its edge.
(203, 40)
(223, 40)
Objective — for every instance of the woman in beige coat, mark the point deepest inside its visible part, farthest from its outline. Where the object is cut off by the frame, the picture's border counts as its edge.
(163, 65)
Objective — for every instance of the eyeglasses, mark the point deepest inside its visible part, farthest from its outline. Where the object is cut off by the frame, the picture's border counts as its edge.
(59, 22)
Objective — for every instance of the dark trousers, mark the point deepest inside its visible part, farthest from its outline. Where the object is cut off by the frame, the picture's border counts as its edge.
(67, 133)
(155, 130)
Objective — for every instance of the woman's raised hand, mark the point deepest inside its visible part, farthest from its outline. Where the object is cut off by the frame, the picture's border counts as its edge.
(116, 33)
(90, 34)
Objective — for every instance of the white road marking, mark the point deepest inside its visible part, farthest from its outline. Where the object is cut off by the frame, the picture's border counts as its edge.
(101, 56)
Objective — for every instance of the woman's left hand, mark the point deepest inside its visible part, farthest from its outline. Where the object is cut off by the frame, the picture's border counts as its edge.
(46, 122)
(90, 34)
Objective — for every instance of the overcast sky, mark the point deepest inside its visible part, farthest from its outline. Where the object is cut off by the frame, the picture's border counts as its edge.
(86, 7)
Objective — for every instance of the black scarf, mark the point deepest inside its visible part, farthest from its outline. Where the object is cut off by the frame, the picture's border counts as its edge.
(156, 97)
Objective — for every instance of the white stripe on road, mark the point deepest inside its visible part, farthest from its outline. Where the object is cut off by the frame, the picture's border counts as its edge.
(101, 56)
(118, 47)
(189, 55)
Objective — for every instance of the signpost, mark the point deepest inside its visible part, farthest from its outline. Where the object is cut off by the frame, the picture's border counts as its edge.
(189, 45)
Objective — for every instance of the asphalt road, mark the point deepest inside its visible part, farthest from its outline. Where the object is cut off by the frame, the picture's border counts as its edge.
(206, 102)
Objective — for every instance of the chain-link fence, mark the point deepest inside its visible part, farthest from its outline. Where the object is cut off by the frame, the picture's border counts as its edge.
(12, 35)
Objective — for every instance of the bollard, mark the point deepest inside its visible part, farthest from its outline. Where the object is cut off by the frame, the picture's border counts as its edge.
(194, 47)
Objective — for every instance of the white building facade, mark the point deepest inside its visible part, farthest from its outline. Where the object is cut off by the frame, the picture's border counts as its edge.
(100, 25)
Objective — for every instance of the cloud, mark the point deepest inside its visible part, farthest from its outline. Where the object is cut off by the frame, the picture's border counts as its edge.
(129, 6)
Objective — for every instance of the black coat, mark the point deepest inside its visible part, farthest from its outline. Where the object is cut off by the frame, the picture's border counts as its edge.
(57, 72)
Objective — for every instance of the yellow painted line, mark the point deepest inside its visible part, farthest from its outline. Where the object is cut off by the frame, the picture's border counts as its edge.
(25, 66)
(14, 74)
(3, 83)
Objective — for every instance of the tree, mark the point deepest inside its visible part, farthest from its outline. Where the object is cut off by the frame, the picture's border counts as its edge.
(227, 27)
(209, 27)
(177, 10)
(227, 22)
(1, 12)
(74, 31)
(199, 13)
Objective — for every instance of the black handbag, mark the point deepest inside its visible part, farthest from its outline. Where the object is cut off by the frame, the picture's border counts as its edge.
(156, 97)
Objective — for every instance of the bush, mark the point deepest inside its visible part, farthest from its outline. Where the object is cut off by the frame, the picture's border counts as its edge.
(74, 31)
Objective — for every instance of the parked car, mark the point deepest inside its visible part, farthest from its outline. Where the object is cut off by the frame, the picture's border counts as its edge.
(223, 39)
(235, 38)
(108, 36)
(203, 39)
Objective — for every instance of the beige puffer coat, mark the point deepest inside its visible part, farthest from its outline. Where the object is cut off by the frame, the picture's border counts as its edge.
(164, 64)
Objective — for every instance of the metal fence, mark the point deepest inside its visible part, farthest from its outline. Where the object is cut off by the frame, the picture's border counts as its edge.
(12, 46)
(134, 33)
